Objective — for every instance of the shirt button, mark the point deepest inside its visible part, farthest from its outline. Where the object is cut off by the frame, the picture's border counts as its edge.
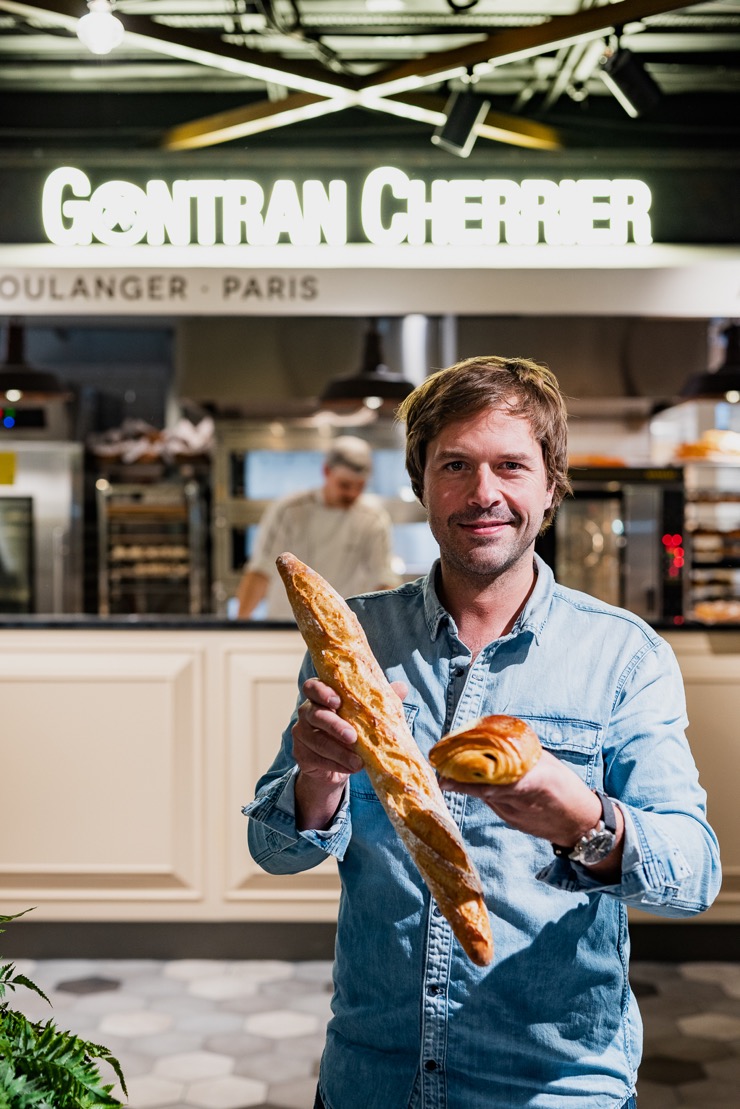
(431, 1064)
(435, 990)
(459, 671)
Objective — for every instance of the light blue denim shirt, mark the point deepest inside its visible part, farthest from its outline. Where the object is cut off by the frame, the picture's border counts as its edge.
(551, 1023)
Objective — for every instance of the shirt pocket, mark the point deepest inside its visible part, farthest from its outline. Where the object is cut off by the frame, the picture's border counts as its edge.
(360, 786)
(575, 742)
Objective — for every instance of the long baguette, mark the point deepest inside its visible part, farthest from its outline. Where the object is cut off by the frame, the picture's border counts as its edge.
(404, 782)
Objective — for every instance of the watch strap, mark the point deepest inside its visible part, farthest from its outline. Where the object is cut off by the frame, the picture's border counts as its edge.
(608, 817)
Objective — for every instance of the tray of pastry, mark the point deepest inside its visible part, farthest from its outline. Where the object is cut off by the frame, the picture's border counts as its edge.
(724, 611)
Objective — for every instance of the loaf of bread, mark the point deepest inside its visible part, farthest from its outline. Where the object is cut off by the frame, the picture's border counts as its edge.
(493, 750)
(403, 780)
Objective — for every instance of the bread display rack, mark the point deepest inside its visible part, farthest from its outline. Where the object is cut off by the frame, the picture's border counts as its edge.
(713, 533)
(151, 554)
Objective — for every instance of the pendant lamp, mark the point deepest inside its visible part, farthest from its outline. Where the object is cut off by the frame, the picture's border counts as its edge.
(717, 384)
(17, 378)
(373, 385)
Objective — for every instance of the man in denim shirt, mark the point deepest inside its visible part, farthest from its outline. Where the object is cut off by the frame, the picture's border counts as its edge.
(551, 1023)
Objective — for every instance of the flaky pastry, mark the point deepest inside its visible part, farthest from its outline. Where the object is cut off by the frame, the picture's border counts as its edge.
(493, 750)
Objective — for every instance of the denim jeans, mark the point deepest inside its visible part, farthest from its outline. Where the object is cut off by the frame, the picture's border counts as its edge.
(631, 1104)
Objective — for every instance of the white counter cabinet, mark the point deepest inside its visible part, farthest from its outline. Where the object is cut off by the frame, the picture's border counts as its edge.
(126, 755)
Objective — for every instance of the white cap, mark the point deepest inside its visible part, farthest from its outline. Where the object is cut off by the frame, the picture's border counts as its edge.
(349, 451)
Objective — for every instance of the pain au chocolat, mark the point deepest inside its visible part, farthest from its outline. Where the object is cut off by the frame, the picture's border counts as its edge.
(403, 780)
(493, 750)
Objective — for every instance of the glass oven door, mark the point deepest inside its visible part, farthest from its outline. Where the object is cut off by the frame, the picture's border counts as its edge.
(589, 541)
(16, 555)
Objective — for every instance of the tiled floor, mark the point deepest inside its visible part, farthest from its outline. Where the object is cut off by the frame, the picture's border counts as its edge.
(231, 1035)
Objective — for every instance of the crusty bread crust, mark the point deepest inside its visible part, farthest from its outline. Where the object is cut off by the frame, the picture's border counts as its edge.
(404, 782)
(493, 750)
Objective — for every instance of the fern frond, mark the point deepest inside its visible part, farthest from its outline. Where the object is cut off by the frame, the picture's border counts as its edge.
(14, 916)
(42, 1067)
(6, 982)
(17, 1091)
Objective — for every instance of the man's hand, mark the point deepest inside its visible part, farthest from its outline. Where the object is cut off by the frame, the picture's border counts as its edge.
(323, 747)
(550, 802)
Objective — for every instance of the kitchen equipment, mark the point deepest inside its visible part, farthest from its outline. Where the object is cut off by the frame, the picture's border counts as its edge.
(620, 537)
(151, 548)
(41, 526)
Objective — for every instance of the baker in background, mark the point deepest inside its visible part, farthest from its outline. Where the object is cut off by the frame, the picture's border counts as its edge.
(338, 530)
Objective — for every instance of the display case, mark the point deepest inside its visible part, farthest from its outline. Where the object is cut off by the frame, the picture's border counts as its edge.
(151, 554)
(713, 534)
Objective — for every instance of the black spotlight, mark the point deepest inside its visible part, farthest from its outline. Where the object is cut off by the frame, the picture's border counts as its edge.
(630, 83)
(464, 111)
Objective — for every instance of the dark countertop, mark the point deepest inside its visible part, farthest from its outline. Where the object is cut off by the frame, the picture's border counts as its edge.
(90, 621)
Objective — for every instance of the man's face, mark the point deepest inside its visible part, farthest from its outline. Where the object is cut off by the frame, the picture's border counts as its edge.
(342, 486)
(485, 492)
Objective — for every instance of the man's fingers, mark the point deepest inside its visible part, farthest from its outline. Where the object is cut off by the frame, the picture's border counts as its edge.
(400, 689)
(318, 693)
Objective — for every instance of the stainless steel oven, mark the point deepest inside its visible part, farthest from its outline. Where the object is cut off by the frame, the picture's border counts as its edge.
(40, 526)
(620, 537)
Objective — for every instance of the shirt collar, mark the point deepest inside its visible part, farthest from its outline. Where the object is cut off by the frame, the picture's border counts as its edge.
(532, 618)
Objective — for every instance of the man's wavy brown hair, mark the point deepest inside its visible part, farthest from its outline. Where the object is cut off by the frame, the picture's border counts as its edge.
(528, 389)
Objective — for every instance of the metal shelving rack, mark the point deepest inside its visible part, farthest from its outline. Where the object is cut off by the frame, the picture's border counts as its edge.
(713, 531)
(151, 555)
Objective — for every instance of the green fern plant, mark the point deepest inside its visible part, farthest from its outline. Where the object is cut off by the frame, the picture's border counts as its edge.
(42, 1067)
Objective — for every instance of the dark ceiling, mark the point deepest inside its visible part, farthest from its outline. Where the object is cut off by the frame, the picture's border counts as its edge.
(238, 75)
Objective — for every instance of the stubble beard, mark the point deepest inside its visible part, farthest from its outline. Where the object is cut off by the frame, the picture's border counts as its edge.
(482, 559)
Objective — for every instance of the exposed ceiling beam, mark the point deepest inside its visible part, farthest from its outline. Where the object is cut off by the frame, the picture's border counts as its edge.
(239, 123)
(497, 126)
(321, 91)
(500, 47)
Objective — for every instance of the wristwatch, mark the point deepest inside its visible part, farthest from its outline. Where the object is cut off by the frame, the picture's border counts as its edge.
(597, 843)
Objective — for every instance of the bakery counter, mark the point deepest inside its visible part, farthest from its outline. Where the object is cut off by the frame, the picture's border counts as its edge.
(86, 621)
(126, 758)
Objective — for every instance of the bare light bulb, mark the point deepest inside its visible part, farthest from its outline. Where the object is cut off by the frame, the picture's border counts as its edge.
(100, 31)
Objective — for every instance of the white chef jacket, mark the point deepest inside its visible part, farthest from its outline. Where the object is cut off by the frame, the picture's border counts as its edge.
(349, 547)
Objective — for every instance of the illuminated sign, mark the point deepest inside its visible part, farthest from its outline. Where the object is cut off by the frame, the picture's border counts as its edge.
(394, 209)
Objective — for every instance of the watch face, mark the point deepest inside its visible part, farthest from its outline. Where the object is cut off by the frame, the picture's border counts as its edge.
(599, 845)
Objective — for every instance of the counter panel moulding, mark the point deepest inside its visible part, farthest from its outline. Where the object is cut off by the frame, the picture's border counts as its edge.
(260, 692)
(102, 754)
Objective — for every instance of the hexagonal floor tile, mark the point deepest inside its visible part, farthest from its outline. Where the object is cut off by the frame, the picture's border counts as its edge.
(149, 1092)
(230, 1092)
(91, 984)
(140, 1022)
(281, 1024)
(194, 1065)
(293, 1095)
(222, 986)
